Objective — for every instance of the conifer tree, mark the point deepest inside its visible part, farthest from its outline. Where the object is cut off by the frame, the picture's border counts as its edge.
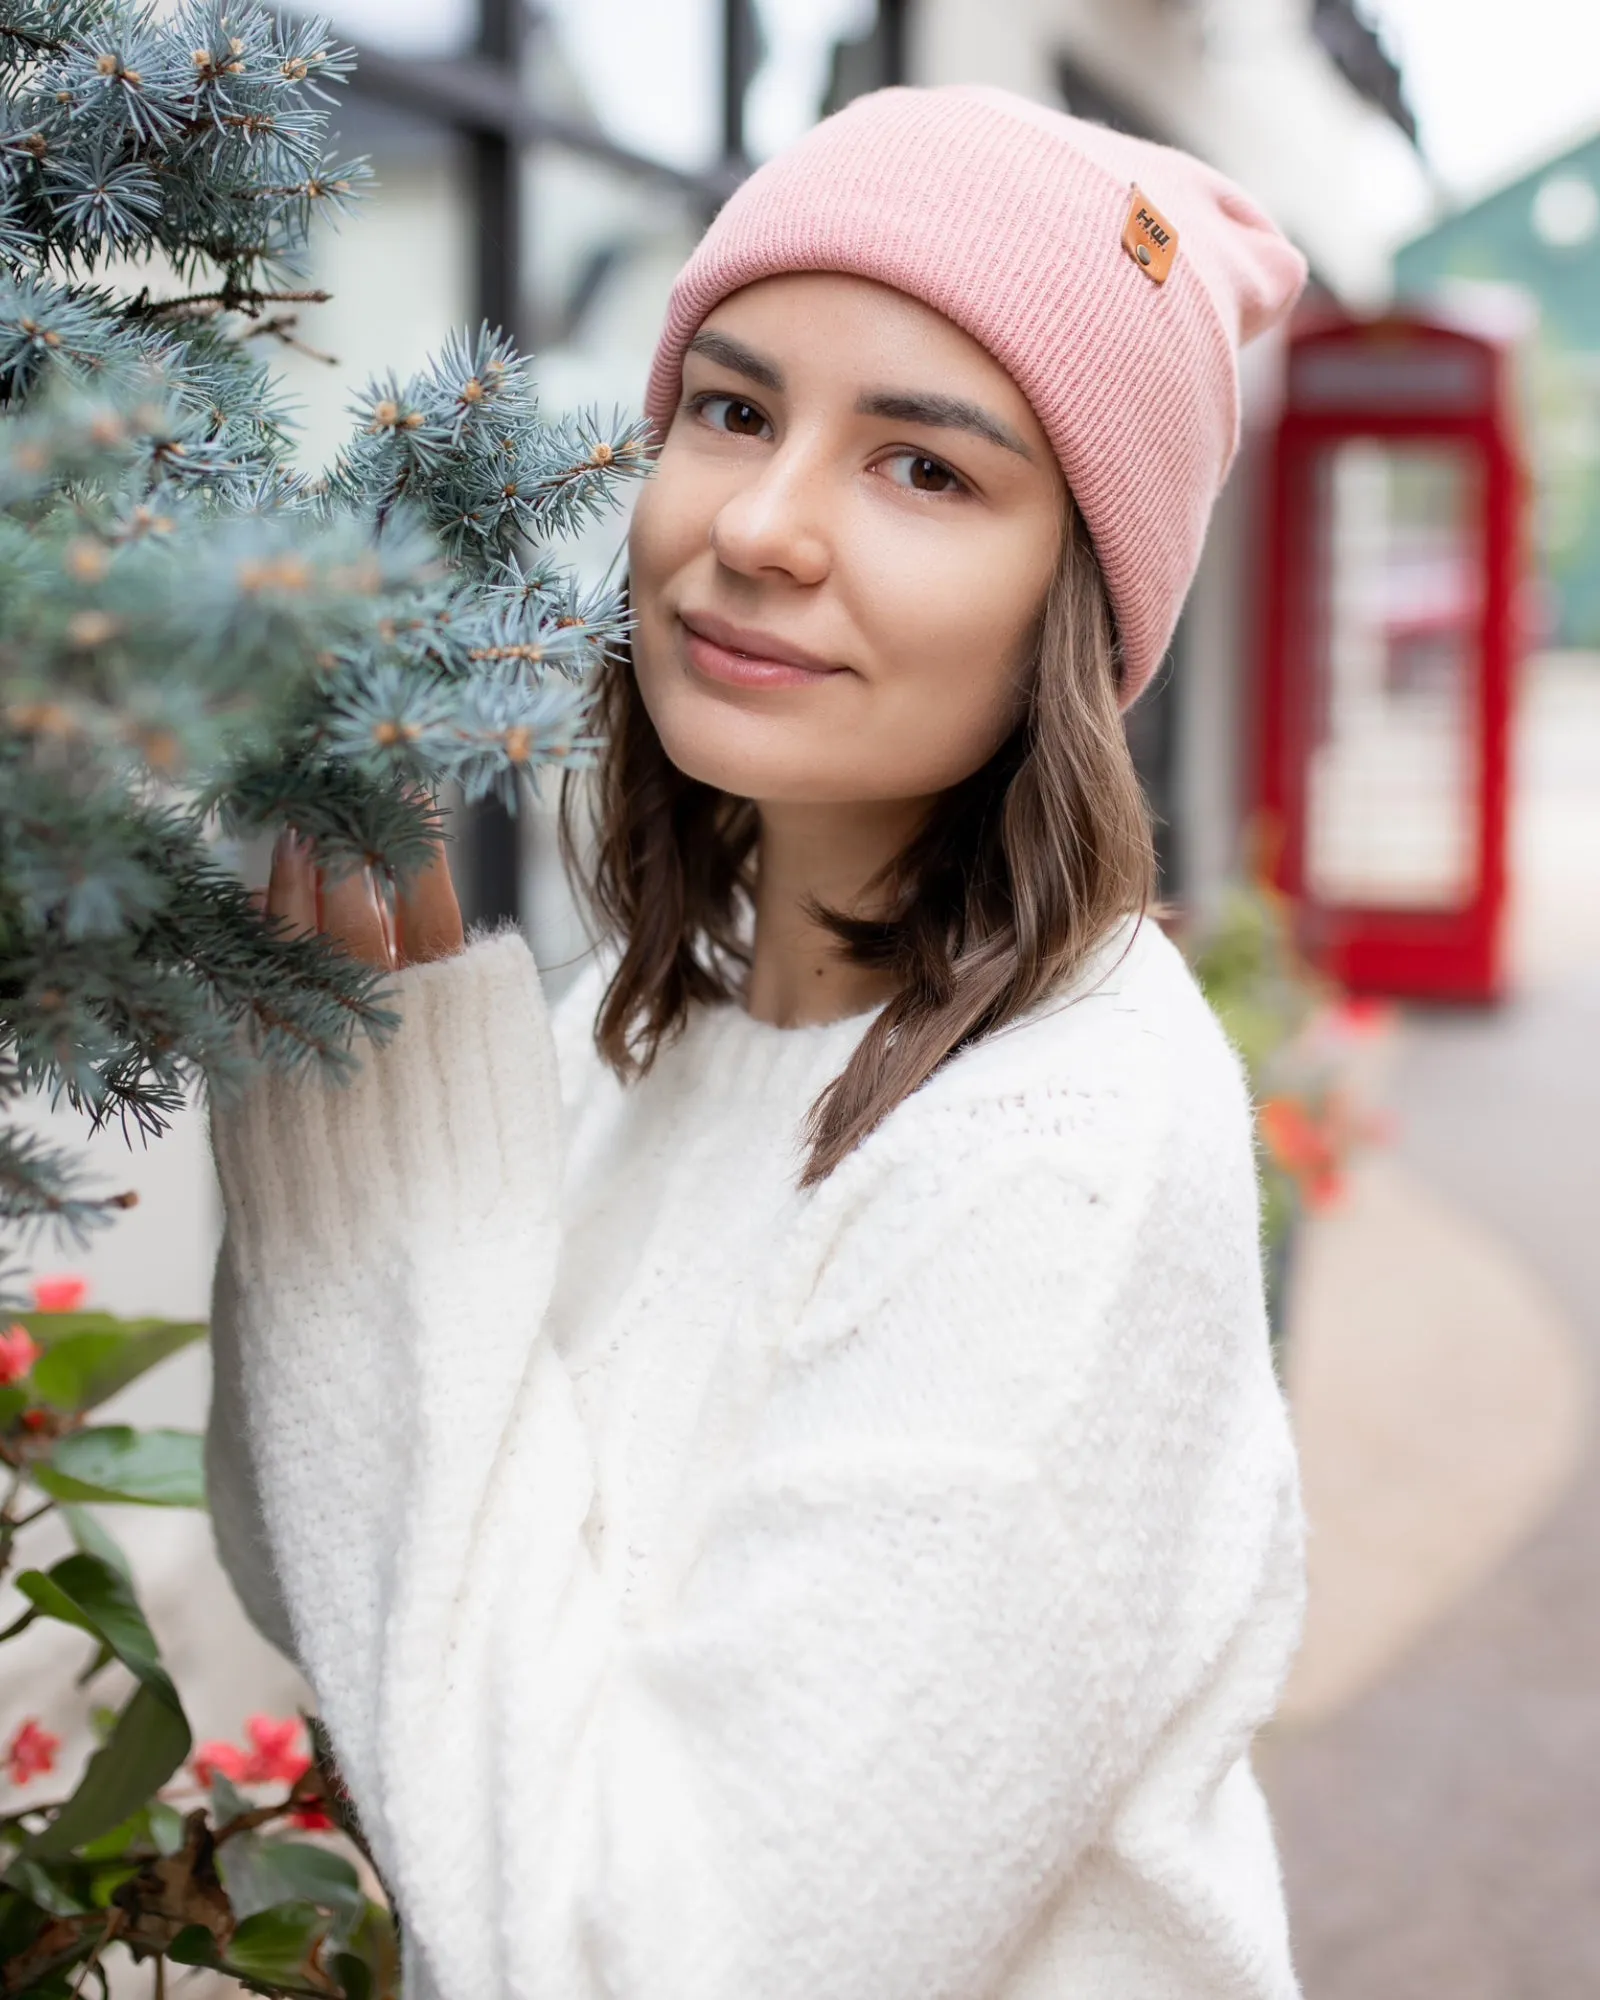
(197, 639)
(195, 636)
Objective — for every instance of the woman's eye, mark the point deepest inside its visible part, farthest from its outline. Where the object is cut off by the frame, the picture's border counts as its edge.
(731, 414)
(923, 475)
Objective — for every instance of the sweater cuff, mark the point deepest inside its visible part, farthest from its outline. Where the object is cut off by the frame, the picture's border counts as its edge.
(451, 1129)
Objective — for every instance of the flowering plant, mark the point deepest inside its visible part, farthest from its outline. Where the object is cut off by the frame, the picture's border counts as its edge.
(1295, 1033)
(166, 1851)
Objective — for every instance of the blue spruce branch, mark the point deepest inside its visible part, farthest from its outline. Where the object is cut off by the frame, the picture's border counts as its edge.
(196, 640)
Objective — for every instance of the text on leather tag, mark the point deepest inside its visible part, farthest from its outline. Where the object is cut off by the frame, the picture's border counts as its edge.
(1149, 239)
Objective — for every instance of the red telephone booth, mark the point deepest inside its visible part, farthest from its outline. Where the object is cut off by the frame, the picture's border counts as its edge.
(1394, 578)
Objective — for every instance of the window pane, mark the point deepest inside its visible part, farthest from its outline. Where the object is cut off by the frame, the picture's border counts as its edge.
(603, 247)
(646, 73)
(1396, 623)
(798, 39)
(399, 268)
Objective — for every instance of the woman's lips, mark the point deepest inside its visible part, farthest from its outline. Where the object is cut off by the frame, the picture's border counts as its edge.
(720, 659)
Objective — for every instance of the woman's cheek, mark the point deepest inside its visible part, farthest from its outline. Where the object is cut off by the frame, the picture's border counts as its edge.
(963, 657)
(656, 555)
(648, 533)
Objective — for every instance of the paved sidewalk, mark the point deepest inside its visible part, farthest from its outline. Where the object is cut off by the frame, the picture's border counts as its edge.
(1439, 1812)
(1441, 1405)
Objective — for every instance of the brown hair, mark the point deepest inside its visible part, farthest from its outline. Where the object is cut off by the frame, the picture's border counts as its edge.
(1016, 875)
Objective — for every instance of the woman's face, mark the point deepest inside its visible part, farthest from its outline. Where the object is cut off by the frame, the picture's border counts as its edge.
(838, 567)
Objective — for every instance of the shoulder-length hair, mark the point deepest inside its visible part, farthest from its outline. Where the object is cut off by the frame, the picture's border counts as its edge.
(1016, 875)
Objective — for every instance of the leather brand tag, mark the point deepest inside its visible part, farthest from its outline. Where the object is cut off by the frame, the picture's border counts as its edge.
(1149, 239)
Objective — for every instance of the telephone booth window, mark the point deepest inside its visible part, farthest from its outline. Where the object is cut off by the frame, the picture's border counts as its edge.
(1396, 605)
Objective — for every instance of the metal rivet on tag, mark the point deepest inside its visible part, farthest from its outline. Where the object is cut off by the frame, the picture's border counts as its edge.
(1149, 238)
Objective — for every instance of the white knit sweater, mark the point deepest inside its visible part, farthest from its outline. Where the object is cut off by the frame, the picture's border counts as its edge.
(721, 1592)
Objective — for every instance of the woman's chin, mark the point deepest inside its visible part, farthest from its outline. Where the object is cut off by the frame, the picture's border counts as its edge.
(745, 776)
(749, 757)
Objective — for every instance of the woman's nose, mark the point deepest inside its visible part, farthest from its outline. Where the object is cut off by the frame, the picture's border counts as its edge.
(775, 521)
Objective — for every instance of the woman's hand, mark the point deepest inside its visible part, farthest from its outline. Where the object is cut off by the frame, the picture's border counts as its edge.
(353, 912)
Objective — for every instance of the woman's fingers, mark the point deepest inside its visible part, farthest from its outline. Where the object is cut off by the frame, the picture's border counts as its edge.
(427, 914)
(292, 890)
(354, 913)
(354, 916)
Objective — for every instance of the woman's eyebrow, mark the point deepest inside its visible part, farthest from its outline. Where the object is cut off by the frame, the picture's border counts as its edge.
(899, 405)
(731, 353)
(945, 412)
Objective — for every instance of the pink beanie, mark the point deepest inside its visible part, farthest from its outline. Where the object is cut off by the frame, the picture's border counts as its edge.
(1113, 279)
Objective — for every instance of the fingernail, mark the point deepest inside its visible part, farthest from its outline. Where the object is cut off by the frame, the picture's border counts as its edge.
(386, 924)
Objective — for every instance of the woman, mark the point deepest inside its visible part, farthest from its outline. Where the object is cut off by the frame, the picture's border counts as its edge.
(776, 1479)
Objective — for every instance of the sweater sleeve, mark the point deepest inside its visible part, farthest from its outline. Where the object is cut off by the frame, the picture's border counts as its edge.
(1014, 1541)
(388, 1246)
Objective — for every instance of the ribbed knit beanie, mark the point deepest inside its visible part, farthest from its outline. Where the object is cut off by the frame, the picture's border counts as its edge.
(1113, 279)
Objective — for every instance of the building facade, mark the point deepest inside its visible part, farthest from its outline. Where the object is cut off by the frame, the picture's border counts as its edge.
(1540, 234)
(548, 167)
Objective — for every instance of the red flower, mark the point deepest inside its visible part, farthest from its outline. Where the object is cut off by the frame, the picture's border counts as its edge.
(18, 1352)
(59, 1295)
(31, 1752)
(36, 1420)
(212, 1759)
(275, 1756)
(311, 1818)
(1306, 1147)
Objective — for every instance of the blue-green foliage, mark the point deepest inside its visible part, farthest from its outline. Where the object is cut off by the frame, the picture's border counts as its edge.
(192, 634)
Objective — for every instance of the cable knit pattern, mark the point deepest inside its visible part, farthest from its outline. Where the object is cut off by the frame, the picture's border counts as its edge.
(718, 1591)
(1007, 217)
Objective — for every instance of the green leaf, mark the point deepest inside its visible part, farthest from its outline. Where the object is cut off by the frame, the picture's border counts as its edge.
(277, 1943)
(107, 1879)
(83, 1591)
(21, 1921)
(13, 1401)
(227, 1801)
(151, 1737)
(352, 1974)
(113, 1845)
(97, 1665)
(95, 1539)
(90, 1356)
(156, 1825)
(166, 1827)
(152, 1468)
(194, 1945)
(375, 1945)
(150, 1741)
(50, 1888)
(259, 1873)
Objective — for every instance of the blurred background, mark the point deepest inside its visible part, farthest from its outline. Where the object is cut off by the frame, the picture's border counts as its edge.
(1375, 764)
